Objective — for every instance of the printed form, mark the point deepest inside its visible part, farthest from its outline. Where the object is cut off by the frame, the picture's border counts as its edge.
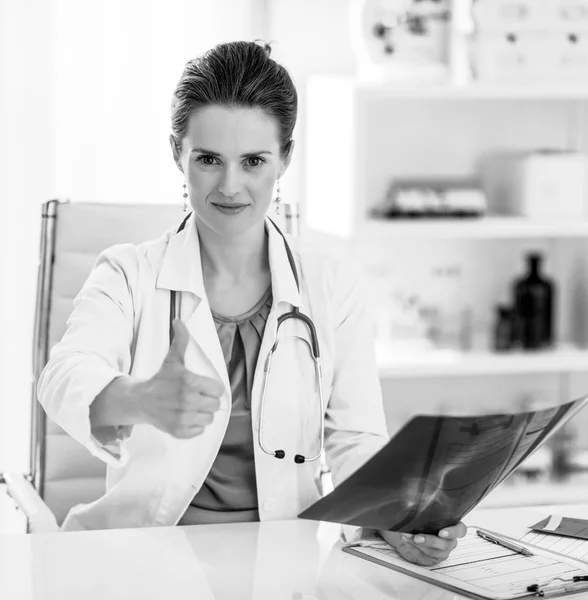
(567, 546)
(486, 569)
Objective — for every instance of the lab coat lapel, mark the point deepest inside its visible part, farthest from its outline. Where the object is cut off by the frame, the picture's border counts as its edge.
(285, 295)
(284, 286)
(205, 355)
(182, 271)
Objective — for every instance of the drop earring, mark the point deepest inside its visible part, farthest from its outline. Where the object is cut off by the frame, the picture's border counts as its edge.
(278, 198)
(185, 196)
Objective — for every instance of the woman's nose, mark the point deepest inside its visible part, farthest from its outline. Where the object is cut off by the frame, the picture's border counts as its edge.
(230, 183)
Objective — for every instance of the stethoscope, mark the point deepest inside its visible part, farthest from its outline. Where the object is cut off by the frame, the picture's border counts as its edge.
(313, 346)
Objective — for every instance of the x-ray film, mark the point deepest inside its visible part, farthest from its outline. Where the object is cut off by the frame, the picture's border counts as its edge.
(437, 469)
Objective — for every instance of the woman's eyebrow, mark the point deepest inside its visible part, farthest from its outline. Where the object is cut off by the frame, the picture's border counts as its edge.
(212, 153)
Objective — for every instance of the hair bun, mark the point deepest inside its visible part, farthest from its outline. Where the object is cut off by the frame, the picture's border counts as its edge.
(266, 47)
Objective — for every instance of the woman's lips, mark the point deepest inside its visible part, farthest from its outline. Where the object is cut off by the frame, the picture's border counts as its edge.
(230, 209)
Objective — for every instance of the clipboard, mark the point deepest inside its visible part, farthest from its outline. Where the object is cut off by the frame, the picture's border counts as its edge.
(484, 571)
(436, 469)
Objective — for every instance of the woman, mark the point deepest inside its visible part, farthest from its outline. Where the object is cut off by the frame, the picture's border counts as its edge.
(178, 423)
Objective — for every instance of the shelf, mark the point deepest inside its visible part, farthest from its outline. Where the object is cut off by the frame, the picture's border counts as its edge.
(448, 363)
(482, 228)
(492, 91)
(509, 494)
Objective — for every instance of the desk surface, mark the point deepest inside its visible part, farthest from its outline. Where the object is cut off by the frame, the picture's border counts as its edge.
(293, 560)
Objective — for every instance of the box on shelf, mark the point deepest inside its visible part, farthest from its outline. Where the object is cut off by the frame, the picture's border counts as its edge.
(543, 184)
(432, 198)
(537, 15)
(531, 56)
(400, 40)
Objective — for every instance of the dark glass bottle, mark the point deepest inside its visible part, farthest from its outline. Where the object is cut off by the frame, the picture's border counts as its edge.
(534, 306)
(503, 328)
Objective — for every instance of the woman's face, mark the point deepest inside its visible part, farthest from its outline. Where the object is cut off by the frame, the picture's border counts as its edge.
(231, 159)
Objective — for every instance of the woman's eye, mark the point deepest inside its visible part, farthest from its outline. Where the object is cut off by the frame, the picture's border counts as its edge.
(255, 161)
(206, 159)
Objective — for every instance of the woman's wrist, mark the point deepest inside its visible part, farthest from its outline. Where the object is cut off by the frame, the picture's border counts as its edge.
(118, 403)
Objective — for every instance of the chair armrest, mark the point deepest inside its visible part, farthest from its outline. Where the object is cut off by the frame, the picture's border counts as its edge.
(38, 514)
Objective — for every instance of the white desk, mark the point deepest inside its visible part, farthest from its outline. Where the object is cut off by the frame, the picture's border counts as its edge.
(289, 560)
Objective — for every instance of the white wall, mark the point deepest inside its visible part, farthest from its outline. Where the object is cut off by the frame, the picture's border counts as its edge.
(310, 36)
(27, 143)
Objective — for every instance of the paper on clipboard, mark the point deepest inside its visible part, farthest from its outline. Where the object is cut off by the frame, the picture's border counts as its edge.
(568, 546)
(437, 469)
(483, 570)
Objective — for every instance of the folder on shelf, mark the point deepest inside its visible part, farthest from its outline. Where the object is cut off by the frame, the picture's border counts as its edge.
(436, 469)
(485, 571)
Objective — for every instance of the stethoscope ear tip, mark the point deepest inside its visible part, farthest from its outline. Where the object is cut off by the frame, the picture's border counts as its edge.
(279, 454)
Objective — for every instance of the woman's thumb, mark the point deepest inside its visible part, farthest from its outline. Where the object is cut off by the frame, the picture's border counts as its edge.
(177, 350)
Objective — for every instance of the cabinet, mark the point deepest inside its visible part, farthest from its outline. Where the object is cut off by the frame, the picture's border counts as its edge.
(359, 136)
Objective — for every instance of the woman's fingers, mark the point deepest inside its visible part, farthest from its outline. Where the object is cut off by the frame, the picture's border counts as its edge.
(188, 432)
(454, 532)
(424, 549)
(419, 553)
(433, 545)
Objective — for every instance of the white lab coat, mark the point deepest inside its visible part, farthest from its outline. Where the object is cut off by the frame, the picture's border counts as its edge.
(120, 325)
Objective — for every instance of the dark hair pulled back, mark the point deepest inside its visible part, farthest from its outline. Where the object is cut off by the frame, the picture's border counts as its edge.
(234, 75)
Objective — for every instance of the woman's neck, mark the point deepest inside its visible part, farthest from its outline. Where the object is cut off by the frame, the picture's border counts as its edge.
(234, 259)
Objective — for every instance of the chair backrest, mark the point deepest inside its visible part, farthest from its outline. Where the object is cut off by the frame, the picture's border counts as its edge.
(72, 236)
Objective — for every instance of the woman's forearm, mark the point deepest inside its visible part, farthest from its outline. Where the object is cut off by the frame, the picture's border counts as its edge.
(117, 404)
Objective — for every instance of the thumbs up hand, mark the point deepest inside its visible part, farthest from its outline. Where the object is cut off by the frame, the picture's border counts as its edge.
(176, 400)
(177, 349)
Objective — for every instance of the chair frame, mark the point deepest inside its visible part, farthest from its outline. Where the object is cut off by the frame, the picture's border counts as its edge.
(36, 475)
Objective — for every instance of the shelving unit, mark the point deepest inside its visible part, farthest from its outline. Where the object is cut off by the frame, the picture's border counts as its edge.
(448, 363)
(472, 91)
(487, 227)
(343, 185)
(361, 135)
(509, 494)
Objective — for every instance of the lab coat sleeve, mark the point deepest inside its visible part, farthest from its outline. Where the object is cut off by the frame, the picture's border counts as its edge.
(95, 349)
(355, 423)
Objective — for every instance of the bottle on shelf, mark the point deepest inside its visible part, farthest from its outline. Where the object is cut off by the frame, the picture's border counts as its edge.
(534, 299)
(504, 333)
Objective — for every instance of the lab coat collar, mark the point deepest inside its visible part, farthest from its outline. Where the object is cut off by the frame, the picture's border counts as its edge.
(181, 269)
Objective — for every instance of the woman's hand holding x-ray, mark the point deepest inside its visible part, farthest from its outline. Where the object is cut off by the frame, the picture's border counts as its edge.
(176, 400)
(424, 549)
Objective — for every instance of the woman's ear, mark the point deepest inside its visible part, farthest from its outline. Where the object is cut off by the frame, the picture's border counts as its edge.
(175, 151)
(287, 158)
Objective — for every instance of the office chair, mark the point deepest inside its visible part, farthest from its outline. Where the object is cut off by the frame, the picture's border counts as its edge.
(62, 472)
